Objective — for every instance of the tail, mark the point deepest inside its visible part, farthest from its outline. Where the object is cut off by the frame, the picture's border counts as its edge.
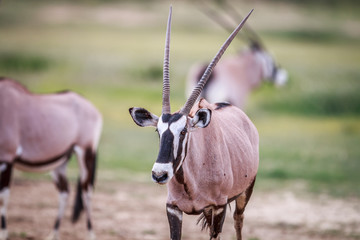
(79, 205)
(90, 162)
(202, 221)
(206, 215)
(92, 167)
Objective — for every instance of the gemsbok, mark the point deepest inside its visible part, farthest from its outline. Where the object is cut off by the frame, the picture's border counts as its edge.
(39, 132)
(237, 76)
(208, 153)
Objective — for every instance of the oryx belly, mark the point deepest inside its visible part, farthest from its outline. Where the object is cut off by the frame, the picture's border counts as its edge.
(43, 166)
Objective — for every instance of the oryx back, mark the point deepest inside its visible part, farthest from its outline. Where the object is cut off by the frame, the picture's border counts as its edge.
(39, 128)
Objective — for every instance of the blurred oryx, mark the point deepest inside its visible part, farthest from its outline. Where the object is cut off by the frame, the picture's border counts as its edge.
(39, 133)
(209, 154)
(235, 77)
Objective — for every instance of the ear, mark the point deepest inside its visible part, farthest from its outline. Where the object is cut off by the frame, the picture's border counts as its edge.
(202, 118)
(143, 117)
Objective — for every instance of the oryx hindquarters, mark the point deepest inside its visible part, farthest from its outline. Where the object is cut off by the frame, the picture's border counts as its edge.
(208, 153)
(39, 133)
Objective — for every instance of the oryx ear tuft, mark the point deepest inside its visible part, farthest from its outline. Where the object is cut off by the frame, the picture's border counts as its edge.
(143, 117)
(202, 118)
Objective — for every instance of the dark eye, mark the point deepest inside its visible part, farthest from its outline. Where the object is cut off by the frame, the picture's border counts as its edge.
(183, 132)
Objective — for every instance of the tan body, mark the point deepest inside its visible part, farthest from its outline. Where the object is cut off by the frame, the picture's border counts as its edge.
(216, 173)
(39, 132)
(44, 126)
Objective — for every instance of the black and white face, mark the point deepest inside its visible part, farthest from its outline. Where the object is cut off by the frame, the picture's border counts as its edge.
(271, 71)
(174, 131)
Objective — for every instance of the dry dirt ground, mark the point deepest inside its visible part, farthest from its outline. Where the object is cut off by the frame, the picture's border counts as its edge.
(125, 210)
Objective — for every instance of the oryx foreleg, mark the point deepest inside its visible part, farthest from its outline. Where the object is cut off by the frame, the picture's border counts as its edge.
(5, 177)
(174, 215)
(62, 184)
(87, 164)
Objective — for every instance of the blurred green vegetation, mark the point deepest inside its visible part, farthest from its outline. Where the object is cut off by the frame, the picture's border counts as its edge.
(111, 52)
(326, 3)
(10, 62)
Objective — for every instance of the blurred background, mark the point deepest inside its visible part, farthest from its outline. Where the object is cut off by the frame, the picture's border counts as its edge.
(111, 52)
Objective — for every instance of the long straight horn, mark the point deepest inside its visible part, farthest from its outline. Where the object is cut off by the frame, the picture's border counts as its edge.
(205, 8)
(166, 76)
(197, 90)
(249, 33)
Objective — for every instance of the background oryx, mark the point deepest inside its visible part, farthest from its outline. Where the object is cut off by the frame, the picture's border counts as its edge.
(40, 133)
(208, 154)
(235, 77)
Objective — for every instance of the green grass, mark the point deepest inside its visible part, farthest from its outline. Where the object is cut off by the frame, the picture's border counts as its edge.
(10, 62)
(309, 130)
(321, 151)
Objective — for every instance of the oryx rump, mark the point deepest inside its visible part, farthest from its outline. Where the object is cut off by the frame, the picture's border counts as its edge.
(39, 132)
(208, 154)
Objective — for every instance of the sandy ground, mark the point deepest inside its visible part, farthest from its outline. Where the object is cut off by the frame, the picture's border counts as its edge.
(137, 211)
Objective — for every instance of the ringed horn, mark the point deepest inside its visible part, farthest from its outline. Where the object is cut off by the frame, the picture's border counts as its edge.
(197, 90)
(166, 75)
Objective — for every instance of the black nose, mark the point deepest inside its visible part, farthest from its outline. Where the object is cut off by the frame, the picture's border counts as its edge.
(159, 178)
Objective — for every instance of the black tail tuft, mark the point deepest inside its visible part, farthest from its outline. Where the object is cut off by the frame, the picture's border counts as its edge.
(78, 206)
(203, 222)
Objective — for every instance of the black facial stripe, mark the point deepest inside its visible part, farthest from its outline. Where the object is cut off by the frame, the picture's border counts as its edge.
(179, 151)
(179, 176)
(171, 118)
(167, 141)
(165, 118)
(186, 148)
(166, 147)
